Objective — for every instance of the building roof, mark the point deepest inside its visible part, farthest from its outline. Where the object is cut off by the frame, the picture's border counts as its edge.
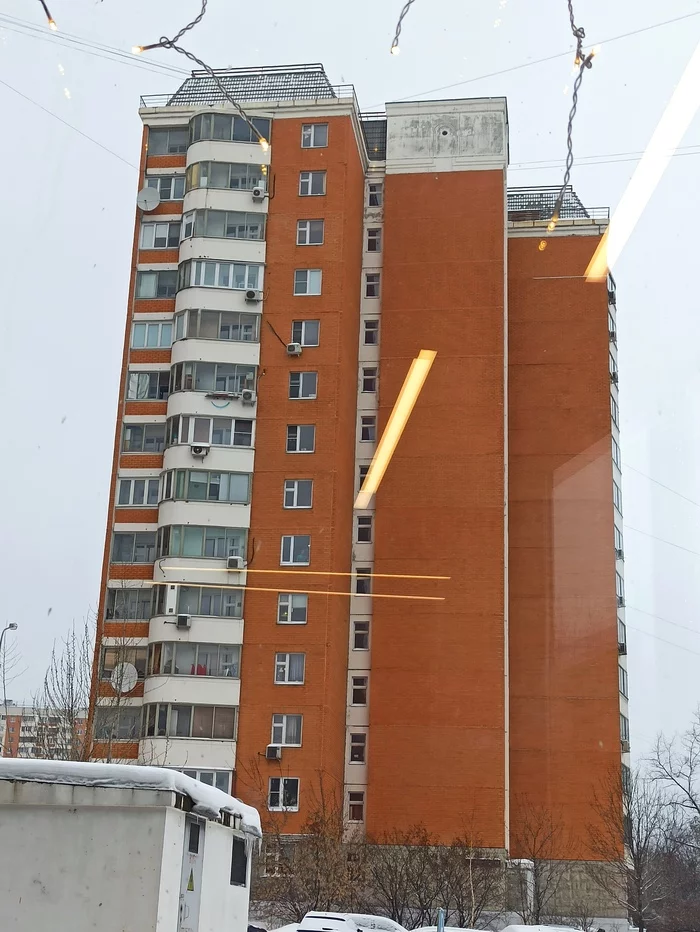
(207, 801)
(278, 82)
(537, 203)
(374, 129)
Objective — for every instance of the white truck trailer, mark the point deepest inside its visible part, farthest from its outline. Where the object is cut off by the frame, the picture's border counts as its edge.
(120, 848)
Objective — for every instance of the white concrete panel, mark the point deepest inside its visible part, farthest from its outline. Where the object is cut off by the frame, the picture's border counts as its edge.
(445, 136)
(205, 690)
(234, 250)
(223, 905)
(219, 150)
(193, 570)
(223, 199)
(188, 350)
(229, 459)
(203, 630)
(215, 299)
(198, 403)
(358, 660)
(171, 866)
(188, 752)
(216, 514)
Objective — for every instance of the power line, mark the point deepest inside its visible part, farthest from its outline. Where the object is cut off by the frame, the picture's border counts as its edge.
(69, 125)
(665, 620)
(661, 540)
(656, 481)
(664, 641)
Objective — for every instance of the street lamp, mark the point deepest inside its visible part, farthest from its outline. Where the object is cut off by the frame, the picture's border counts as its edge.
(11, 627)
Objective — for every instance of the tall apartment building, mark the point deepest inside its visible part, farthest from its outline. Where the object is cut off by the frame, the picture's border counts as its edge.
(277, 299)
(28, 731)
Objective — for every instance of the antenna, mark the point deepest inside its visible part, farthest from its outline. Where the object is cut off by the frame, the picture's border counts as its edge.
(148, 199)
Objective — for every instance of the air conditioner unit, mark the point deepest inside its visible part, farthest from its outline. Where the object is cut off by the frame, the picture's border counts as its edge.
(273, 752)
(614, 378)
(619, 554)
(622, 648)
(620, 600)
(248, 396)
(235, 563)
(259, 193)
(613, 336)
(253, 295)
(294, 349)
(183, 621)
(625, 745)
(199, 449)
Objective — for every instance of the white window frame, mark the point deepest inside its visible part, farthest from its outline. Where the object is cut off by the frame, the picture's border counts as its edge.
(362, 634)
(289, 541)
(298, 381)
(614, 411)
(375, 191)
(373, 329)
(366, 377)
(153, 275)
(356, 802)
(308, 279)
(374, 237)
(160, 178)
(617, 535)
(623, 681)
(306, 180)
(287, 599)
(358, 744)
(359, 682)
(151, 228)
(148, 481)
(375, 285)
(160, 326)
(304, 233)
(298, 428)
(301, 327)
(368, 425)
(617, 496)
(197, 274)
(281, 783)
(282, 666)
(616, 455)
(309, 133)
(282, 722)
(367, 522)
(291, 494)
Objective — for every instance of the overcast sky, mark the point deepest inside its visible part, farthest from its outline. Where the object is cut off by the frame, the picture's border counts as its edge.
(68, 208)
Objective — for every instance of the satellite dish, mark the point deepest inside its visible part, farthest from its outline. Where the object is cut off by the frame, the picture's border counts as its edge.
(148, 199)
(124, 677)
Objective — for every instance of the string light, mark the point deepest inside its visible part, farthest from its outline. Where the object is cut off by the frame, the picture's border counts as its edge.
(49, 18)
(395, 42)
(165, 43)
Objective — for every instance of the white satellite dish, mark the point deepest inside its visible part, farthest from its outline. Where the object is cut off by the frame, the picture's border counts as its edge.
(124, 677)
(148, 199)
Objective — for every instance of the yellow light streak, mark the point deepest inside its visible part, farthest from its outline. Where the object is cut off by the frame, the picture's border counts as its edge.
(410, 390)
(214, 569)
(666, 138)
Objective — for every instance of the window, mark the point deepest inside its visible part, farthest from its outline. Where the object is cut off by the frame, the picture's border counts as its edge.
(111, 657)
(375, 194)
(363, 580)
(283, 794)
(151, 335)
(312, 183)
(371, 332)
(183, 658)
(620, 589)
(309, 232)
(624, 728)
(117, 724)
(356, 807)
(211, 377)
(359, 690)
(218, 325)
(307, 281)
(364, 529)
(295, 550)
(223, 224)
(360, 636)
(626, 781)
(302, 384)
(305, 332)
(210, 601)
(297, 493)
(228, 127)
(167, 141)
(314, 135)
(289, 668)
(136, 547)
(129, 604)
(614, 412)
(219, 431)
(170, 720)
(621, 633)
(618, 538)
(169, 187)
(372, 281)
(369, 380)
(239, 862)
(156, 284)
(617, 496)
(193, 842)
(147, 386)
(189, 540)
(292, 608)
(232, 175)
(612, 366)
(374, 240)
(209, 273)
(160, 235)
(221, 779)
(364, 469)
(138, 492)
(199, 485)
(622, 678)
(286, 730)
(358, 747)
(301, 438)
(368, 428)
(143, 438)
(617, 459)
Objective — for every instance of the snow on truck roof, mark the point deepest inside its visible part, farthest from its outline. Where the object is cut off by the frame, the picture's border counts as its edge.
(207, 801)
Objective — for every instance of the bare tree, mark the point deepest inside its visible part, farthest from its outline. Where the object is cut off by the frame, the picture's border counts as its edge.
(10, 661)
(474, 882)
(632, 839)
(536, 877)
(675, 763)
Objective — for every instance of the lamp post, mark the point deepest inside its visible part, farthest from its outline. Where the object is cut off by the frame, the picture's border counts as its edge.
(11, 627)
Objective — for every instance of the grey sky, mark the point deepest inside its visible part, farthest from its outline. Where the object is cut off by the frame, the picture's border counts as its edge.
(66, 240)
